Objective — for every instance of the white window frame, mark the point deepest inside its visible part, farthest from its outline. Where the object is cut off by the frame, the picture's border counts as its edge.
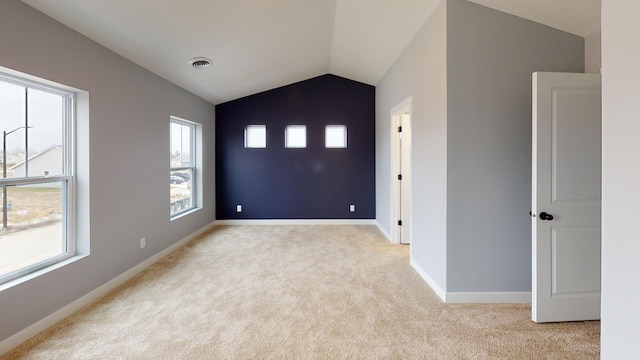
(287, 141)
(249, 136)
(67, 178)
(193, 167)
(342, 128)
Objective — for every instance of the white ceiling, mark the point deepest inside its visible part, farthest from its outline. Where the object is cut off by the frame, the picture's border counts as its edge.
(260, 45)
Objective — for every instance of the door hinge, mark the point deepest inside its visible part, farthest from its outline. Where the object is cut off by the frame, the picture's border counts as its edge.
(399, 222)
(399, 176)
(399, 129)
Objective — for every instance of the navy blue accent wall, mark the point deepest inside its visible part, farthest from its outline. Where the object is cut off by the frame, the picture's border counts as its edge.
(309, 183)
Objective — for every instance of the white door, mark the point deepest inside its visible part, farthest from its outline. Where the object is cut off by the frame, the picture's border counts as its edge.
(405, 182)
(401, 171)
(565, 222)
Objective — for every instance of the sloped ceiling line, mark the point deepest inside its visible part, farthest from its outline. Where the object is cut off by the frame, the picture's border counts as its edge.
(261, 45)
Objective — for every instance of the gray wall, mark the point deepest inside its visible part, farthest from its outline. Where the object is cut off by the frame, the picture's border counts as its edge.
(592, 53)
(620, 180)
(491, 56)
(469, 73)
(123, 159)
(420, 72)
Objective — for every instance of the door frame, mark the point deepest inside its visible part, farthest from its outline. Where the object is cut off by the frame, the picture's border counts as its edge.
(404, 107)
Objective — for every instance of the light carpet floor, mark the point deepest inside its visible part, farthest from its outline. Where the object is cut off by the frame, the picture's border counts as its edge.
(298, 292)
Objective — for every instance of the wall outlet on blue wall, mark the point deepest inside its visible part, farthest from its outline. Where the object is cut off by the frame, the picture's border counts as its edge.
(239, 208)
(352, 208)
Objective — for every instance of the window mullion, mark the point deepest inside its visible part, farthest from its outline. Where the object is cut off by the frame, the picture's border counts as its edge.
(33, 180)
(26, 131)
(181, 168)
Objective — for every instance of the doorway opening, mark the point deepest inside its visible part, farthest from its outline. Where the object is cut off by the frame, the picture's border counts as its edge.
(401, 172)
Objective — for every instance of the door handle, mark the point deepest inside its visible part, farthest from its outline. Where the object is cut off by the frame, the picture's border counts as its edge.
(544, 216)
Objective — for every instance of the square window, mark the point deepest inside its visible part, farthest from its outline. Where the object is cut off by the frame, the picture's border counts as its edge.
(335, 136)
(255, 136)
(296, 136)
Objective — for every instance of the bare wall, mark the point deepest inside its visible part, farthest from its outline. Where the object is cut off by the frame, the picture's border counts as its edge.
(490, 58)
(123, 151)
(420, 73)
(620, 180)
(592, 53)
(468, 71)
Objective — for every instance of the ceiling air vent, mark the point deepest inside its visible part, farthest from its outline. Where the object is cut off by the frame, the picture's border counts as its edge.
(200, 62)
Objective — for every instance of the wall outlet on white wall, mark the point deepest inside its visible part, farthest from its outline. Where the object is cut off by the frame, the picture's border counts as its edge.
(239, 208)
(352, 208)
(143, 242)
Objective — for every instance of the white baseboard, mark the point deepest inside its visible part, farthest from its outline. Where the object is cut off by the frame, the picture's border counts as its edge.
(33, 330)
(298, 222)
(488, 297)
(436, 288)
(383, 231)
(472, 297)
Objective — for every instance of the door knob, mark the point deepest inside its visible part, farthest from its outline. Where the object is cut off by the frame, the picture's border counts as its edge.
(544, 216)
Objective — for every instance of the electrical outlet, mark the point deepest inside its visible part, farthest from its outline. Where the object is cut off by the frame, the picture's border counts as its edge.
(352, 208)
(143, 242)
(239, 208)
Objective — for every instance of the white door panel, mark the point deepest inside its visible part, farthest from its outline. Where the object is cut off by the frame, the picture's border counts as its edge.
(575, 145)
(405, 184)
(566, 172)
(574, 250)
(401, 172)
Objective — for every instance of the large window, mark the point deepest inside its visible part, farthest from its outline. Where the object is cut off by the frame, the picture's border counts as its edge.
(36, 183)
(182, 172)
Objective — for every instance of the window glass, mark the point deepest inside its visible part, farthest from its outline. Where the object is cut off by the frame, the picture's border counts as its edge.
(335, 136)
(296, 136)
(36, 183)
(255, 136)
(182, 169)
(36, 229)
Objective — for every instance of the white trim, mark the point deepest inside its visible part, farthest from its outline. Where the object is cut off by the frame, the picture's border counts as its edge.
(36, 328)
(383, 231)
(472, 297)
(395, 121)
(298, 222)
(60, 261)
(194, 163)
(436, 288)
(488, 297)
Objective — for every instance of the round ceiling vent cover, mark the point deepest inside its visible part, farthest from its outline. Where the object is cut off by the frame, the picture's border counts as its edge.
(200, 62)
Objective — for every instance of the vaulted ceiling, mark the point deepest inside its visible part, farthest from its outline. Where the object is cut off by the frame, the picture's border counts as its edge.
(259, 45)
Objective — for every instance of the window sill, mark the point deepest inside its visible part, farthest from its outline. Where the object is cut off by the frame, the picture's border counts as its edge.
(178, 216)
(35, 274)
